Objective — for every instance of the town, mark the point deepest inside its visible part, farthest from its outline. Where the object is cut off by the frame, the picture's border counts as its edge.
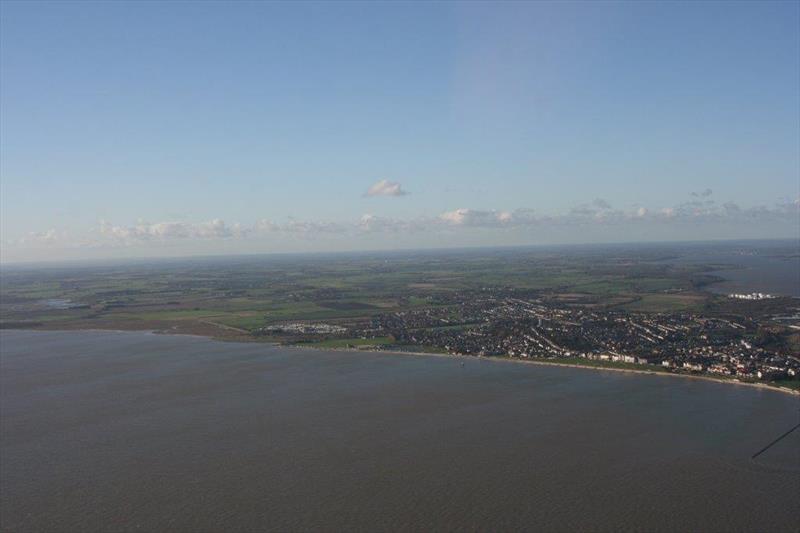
(527, 329)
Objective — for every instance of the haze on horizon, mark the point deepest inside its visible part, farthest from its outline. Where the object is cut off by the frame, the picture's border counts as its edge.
(178, 128)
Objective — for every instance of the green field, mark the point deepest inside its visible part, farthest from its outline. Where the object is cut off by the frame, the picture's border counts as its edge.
(244, 296)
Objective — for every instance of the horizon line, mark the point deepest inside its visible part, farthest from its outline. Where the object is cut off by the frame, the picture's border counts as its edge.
(55, 263)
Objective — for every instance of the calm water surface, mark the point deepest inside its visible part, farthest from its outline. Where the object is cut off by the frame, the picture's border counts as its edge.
(770, 267)
(104, 431)
(773, 275)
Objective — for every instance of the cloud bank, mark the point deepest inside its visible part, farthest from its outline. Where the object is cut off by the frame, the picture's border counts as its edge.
(589, 220)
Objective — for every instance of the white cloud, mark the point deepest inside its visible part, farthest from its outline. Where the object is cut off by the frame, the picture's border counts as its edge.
(50, 236)
(213, 229)
(386, 188)
(455, 217)
(311, 227)
(371, 223)
(695, 214)
(473, 217)
(464, 218)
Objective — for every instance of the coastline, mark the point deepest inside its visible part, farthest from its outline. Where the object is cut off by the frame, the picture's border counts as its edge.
(514, 360)
(501, 359)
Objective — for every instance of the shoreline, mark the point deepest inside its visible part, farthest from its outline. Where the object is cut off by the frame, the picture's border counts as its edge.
(501, 359)
(539, 362)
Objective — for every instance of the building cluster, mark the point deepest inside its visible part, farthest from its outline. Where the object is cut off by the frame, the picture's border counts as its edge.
(533, 329)
(751, 296)
(303, 328)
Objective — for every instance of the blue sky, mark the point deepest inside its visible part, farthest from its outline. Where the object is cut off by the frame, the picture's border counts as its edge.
(178, 128)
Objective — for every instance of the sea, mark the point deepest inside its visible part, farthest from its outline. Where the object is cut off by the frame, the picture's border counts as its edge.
(130, 431)
(770, 275)
(771, 267)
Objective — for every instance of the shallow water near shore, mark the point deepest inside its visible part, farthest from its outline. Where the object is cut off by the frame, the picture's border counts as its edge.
(118, 431)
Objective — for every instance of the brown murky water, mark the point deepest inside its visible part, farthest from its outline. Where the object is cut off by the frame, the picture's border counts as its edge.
(104, 431)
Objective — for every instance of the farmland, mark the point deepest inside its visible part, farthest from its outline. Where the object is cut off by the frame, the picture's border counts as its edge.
(618, 305)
